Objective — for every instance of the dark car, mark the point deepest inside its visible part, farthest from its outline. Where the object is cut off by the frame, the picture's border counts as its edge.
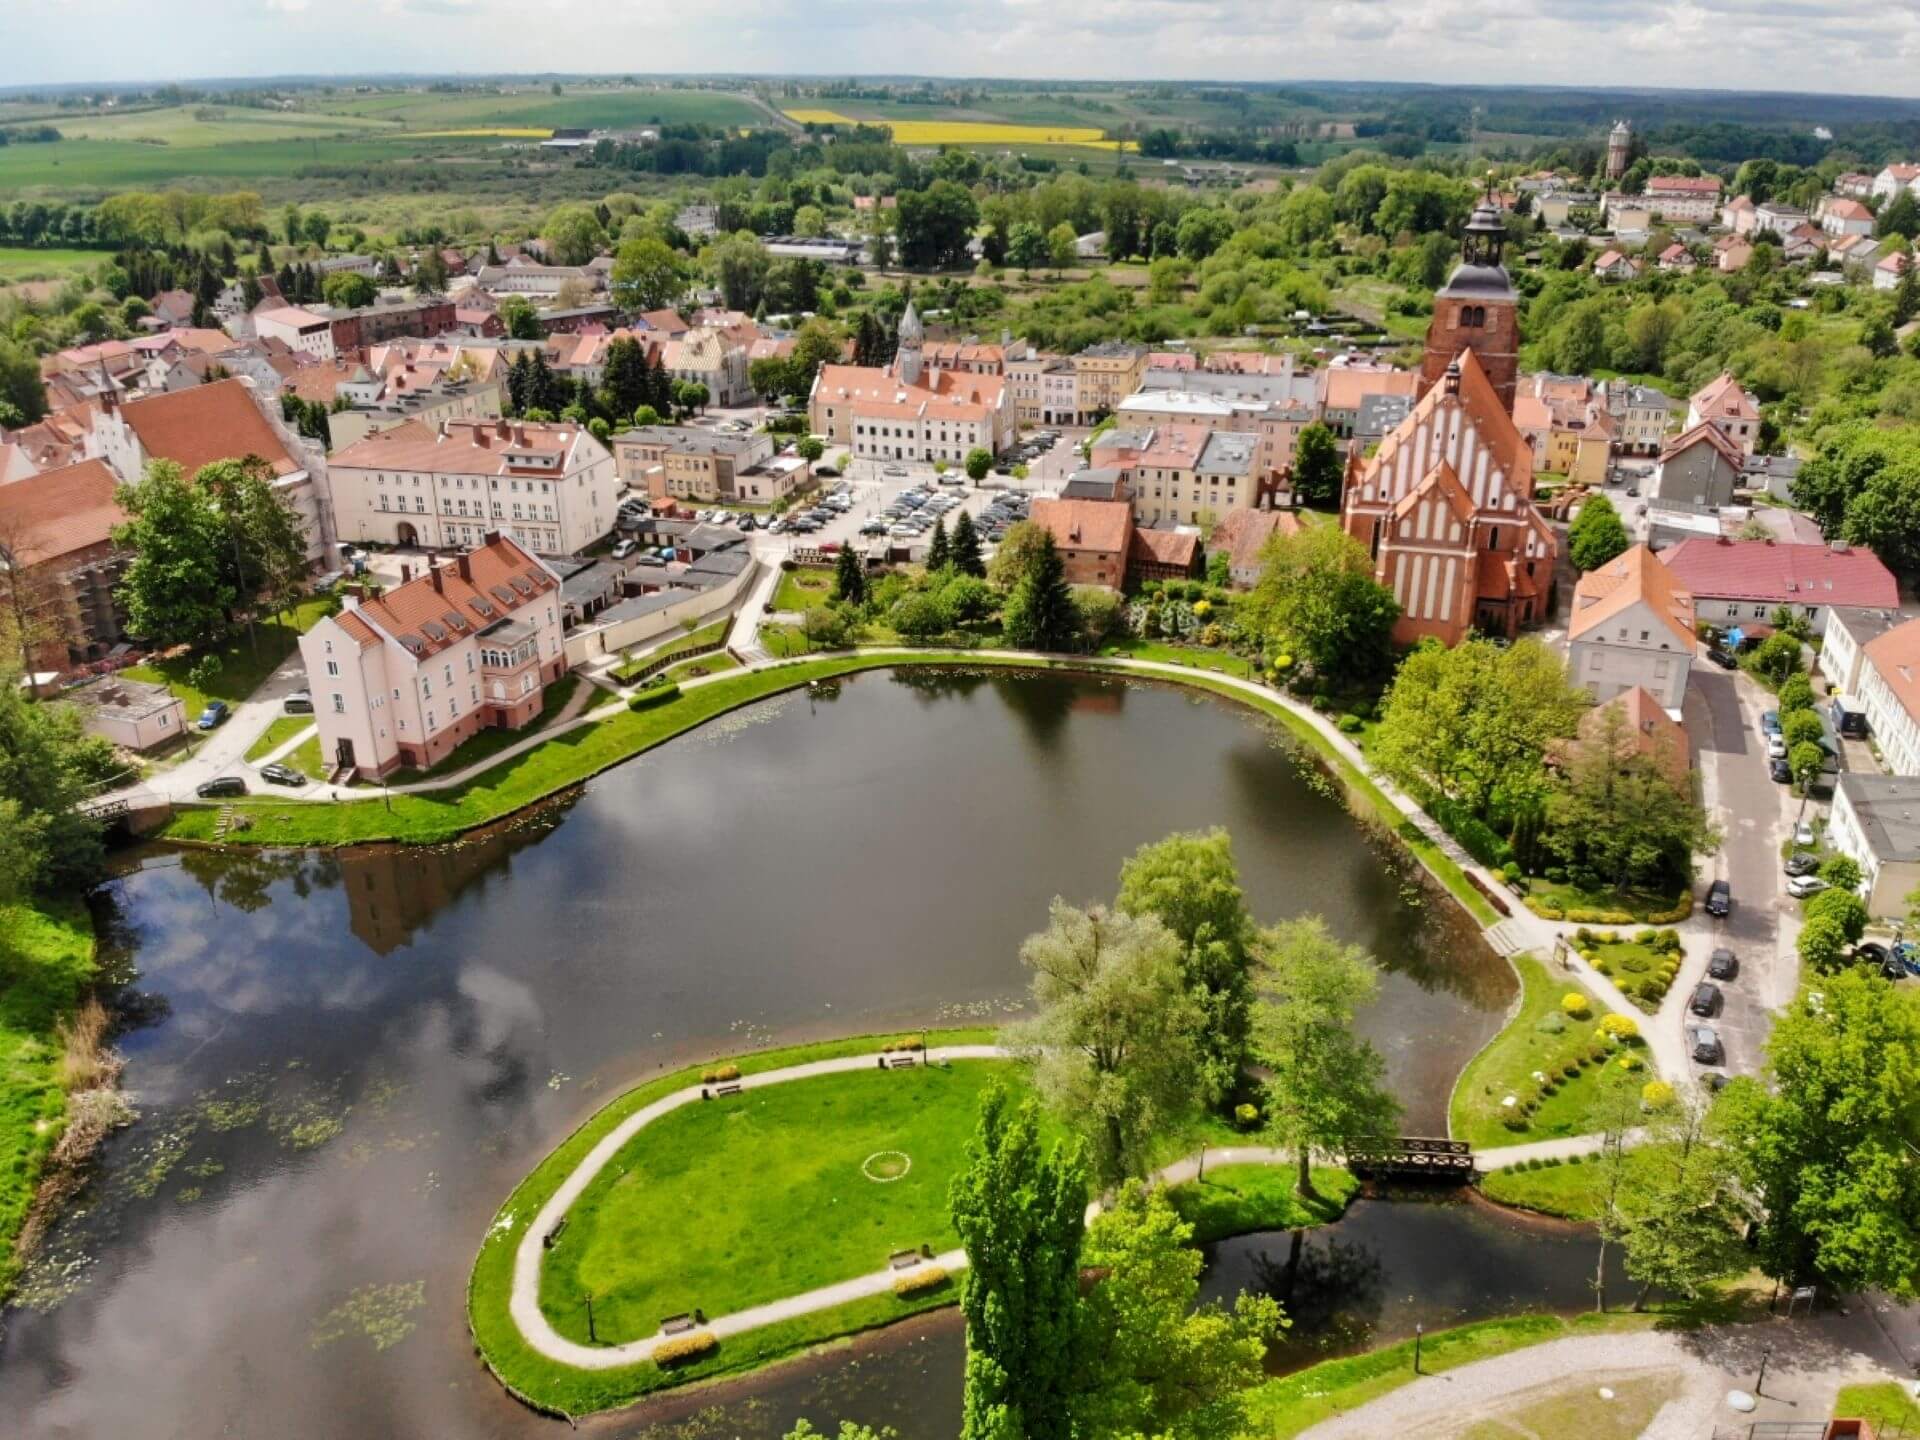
(1723, 965)
(278, 774)
(1802, 862)
(1719, 899)
(1706, 998)
(220, 785)
(1723, 658)
(1703, 1043)
(1780, 770)
(213, 715)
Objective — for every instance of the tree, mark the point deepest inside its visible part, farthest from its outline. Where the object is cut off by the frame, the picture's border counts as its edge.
(1317, 467)
(1821, 1138)
(978, 462)
(1474, 722)
(1026, 245)
(1325, 1084)
(1615, 1115)
(965, 547)
(1619, 811)
(771, 377)
(1682, 1220)
(1899, 216)
(817, 343)
(520, 320)
(20, 383)
(349, 291)
(1039, 614)
(849, 579)
(33, 618)
(1844, 908)
(47, 766)
(177, 588)
(1777, 657)
(1796, 693)
(1806, 762)
(938, 554)
(644, 415)
(1153, 1359)
(740, 263)
(810, 448)
(623, 378)
(933, 225)
(1799, 727)
(1020, 1214)
(266, 551)
(1018, 553)
(1316, 597)
(1202, 231)
(1597, 534)
(647, 275)
(1841, 871)
(1063, 246)
(1116, 1043)
(572, 235)
(1191, 884)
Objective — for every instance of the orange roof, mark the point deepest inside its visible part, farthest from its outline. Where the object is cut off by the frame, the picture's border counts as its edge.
(1085, 524)
(462, 447)
(1490, 419)
(1345, 386)
(1626, 580)
(1722, 398)
(1648, 728)
(464, 597)
(1443, 479)
(1895, 656)
(1849, 210)
(1178, 548)
(206, 423)
(58, 512)
(1244, 534)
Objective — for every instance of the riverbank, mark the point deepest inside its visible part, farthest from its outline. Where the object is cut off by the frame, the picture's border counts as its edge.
(52, 1056)
(608, 736)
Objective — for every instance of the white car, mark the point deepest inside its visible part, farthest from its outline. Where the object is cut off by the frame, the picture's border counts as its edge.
(1776, 747)
(1803, 833)
(1802, 886)
(624, 549)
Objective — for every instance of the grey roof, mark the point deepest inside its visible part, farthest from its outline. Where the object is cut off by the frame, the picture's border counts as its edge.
(1124, 437)
(1101, 484)
(1281, 390)
(711, 537)
(1645, 397)
(1479, 282)
(722, 562)
(1227, 452)
(690, 440)
(1889, 811)
(1380, 413)
(1863, 623)
(1114, 348)
(646, 604)
(136, 699)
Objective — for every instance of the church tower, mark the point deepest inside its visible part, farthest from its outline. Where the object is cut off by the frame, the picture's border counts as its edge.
(1476, 310)
(907, 357)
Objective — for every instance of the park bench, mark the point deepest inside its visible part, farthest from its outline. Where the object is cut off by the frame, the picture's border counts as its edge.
(903, 1259)
(730, 1088)
(679, 1324)
(554, 1234)
(897, 1062)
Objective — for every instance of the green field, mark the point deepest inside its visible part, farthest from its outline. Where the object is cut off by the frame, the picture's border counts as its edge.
(17, 265)
(93, 165)
(725, 1205)
(610, 109)
(1244, 1199)
(206, 126)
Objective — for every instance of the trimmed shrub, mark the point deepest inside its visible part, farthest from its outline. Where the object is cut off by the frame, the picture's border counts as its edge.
(678, 1349)
(719, 1074)
(1656, 1094)
(1246, 1116)
(1619, 1027)
(1574, 1004)
(1350, 724)
(919, 1280)
(653, 695)
(1629, 1062)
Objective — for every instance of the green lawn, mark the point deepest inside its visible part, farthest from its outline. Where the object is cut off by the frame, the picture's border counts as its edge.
(50, 264)
(803, 590)
(724, 1205)
(1539, 1038)
(1608, 907)
(1642, 972)
(1283, 1408)
(1887, 1405)
(693, 640)
(568, 1391)
(308, 760)
(277, 734)
(244, 664)
(485, 744)
(1242, 1199)
(1200, 657)
(719, 662)
(1568, 1189)
(46, 965)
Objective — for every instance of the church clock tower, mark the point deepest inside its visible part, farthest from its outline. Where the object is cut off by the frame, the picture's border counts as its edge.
(1477, 310)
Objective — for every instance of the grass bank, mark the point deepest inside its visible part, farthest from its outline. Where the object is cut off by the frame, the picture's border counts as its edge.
(1244, 1199)
(564, 1390)
(241, 665)
(1285, 1407)
(277, 734)
(1887, 1405)
(46, 969)
(1540, 1039)
(803, 590)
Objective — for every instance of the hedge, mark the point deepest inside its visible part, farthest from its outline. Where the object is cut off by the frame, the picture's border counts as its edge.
(679, 1348)
(654, 695)
(919, 1280)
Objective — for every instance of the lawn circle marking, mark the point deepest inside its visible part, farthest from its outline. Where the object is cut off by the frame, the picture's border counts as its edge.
(883, 1167)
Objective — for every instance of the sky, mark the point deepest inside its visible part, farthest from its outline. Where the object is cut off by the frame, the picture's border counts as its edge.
(1811, 45)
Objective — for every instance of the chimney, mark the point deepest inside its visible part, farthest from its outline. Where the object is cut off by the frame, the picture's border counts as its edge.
(406, 572)
(438, 584)
(465, 566)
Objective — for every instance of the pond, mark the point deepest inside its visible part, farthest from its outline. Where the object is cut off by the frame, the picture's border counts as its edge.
(343, 1062)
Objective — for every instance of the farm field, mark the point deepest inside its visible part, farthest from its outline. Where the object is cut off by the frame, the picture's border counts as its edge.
(95, 165)
(204, 126)
(538, 109)
(51, 264)
(971, 132)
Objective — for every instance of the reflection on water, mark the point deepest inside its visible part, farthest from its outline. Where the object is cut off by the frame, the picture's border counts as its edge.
(350, 1058)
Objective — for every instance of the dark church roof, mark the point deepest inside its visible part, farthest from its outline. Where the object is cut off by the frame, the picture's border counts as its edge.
(1479, 282)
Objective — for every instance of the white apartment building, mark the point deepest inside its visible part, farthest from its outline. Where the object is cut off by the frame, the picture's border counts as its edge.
(300, 330)
(1631, 627)
(1888, 690)
(446, 485)
(471, 645)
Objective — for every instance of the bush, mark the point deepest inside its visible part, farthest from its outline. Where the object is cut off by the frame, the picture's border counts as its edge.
(679, 1349)
(1602, 967)
(1246, 1116)
(1656, 1095)
(719, 1074)
(1350, 724)
(1575, 1005)
(654, 695)
(1619, 1027)
(1630, 1062)
(919, 1280)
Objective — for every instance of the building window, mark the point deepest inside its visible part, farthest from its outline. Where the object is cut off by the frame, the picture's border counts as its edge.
(339, 703)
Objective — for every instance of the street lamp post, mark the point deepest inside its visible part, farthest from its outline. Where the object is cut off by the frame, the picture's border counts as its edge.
(1418, 1331)
(1765, 1356)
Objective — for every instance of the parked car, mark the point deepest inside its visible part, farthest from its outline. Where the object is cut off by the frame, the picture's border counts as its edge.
(624, 549)
(1723, 965)
(1719, 899)
(1776, 747)
(220, 785)
(1706, 998)
(1769, 722)
(1723, 658)
(1703, 1043)
(213, 716)
(1802, 886)
(277, 774)
(1803, 833)
(1802, 862)
(1881, 959)
(1780, 770)
(298, 703)
(898, 472)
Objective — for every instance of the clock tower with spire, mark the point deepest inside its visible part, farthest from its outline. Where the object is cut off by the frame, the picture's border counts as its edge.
(1477, 310)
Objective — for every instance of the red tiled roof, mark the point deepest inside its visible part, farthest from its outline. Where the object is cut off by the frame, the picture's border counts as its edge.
(1635, 575)
(1085, 524)
(198, 426)
(1683, 185)
(1723, 398)
(1244, 534)
(499, 577)
(1762, 571)
(1178, 548)
(58, 512)
(460, 447)
(1895, 656)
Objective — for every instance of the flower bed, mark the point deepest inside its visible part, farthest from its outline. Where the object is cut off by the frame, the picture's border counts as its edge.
(1642, 966)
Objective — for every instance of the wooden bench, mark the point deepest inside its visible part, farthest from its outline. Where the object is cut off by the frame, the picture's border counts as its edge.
(898, 1062)
(732, 1087)
(679, 1324)
(903, 1259)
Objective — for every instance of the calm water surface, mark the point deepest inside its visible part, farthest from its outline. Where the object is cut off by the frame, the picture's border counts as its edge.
(344, 1062)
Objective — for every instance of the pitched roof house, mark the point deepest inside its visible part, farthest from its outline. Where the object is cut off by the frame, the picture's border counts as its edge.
(1632, 627)
(1741, 582)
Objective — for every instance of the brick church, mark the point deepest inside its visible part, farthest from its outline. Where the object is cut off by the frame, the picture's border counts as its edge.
(1445, 503)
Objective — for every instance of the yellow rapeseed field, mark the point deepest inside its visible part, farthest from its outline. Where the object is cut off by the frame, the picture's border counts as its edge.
(540, 134)
(972, 132)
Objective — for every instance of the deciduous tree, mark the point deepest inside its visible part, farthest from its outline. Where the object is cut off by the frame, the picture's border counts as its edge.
(1317, 467)
(1316, 597)
(177, 588)
(648, 274)
(1597, 534)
